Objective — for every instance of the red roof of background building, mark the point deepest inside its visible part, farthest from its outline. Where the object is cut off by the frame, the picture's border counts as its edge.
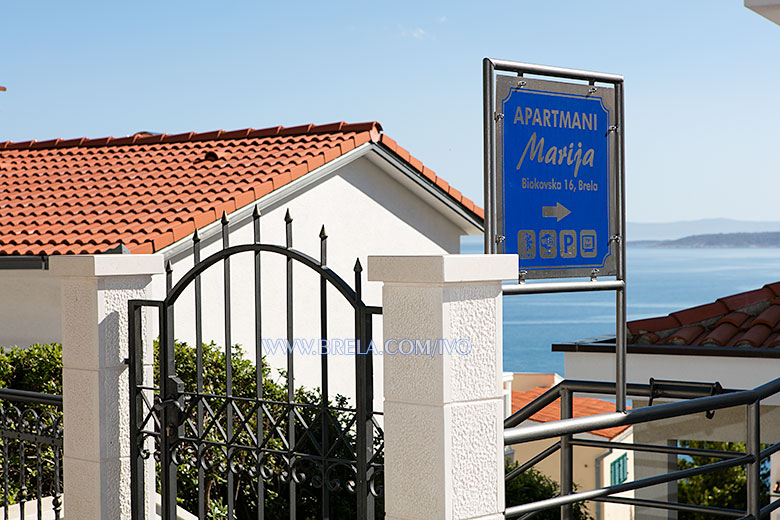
(85, 196)
(583, 407)
(750, 319)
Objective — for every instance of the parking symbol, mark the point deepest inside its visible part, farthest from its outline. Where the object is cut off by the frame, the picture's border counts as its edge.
(547, 244)
(588, 247)
(568, 241)
(526, 244)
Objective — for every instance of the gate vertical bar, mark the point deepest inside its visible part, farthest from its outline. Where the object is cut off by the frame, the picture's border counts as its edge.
(488, 137)
(199, 372)
(38, 480)
(325, 423)
(620, 295)
(368, 371)
(290, 373)
(6, 483)
(228, 373)
(136, 380)
(57, 501)
(753, 469)
(259, 368)
(363, 392)
(567, 458)
(168, 419)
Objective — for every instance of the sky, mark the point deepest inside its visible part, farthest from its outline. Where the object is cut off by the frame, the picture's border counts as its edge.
(702, 80)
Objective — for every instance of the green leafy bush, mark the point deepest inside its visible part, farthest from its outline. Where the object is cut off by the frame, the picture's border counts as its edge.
(531, 486)
(725, 488)
(276, 503)
(37, 368)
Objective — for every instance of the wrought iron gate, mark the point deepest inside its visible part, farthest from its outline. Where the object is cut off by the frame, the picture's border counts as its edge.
(295, 454)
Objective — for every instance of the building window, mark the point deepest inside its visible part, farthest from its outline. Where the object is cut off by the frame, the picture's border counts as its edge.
(618, 470)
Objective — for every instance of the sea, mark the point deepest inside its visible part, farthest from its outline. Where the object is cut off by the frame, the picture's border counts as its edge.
(659, 281)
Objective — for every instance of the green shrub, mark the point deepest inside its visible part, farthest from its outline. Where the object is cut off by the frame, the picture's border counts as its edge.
(531, 486)
(725, 488)
(37, 368)
(342, 503)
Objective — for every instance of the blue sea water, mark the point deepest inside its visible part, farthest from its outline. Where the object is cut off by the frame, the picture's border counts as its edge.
(659, 281)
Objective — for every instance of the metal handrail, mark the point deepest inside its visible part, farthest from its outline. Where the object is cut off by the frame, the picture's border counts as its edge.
(638, 415)
(700, 400)
(672, 390)
(653, 448)
(533, 461)
(627, 486)
(24, 396)
(675, 506)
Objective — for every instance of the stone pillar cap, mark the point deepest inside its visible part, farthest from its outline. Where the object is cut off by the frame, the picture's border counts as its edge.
(442, 268)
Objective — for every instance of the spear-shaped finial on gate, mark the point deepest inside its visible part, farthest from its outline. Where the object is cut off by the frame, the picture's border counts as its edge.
(256, 223)
(288, 227)
(358, 271)
(323, 246)
(168, 276)
(196, 246)
(225, 222)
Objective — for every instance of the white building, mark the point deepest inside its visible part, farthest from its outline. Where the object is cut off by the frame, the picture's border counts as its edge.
(593, 467)
(149, 193)
(733, 341)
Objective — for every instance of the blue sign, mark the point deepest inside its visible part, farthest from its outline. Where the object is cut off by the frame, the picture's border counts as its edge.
(556, 180)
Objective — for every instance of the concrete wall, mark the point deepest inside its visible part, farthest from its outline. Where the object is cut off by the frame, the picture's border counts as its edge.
(29, 308)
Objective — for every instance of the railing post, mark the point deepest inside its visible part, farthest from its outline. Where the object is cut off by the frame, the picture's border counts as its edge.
(95, 291)
(443, 385)
(753, 470)
(567, 453)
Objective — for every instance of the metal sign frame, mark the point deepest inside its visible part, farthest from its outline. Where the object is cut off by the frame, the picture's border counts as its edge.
(618, 243)
(595, 210)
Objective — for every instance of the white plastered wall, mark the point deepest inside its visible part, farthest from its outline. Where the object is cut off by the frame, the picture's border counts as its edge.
(29, 308)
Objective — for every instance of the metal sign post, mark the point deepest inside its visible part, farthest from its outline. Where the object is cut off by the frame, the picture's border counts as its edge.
(555, 182)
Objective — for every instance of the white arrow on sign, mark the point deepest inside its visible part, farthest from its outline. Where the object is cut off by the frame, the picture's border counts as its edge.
(558, 211)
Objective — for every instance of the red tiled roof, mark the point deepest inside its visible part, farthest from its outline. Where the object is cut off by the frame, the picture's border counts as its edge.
(148, 191)
(583, 407)
(749, 319)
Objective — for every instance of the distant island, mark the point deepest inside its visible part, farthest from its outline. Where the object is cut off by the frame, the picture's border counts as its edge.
(719, 240)
(656, 231)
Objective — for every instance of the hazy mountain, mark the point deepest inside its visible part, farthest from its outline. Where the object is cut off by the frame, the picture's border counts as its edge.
(710, 226)
(656, 232)
(741, 240)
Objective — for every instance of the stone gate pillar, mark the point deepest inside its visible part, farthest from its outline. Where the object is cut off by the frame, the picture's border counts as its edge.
(443, 391)
(95, 290)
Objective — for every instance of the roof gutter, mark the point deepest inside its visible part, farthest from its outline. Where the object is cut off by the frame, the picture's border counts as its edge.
(668, 350)
(427, 185)
(24, 262)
